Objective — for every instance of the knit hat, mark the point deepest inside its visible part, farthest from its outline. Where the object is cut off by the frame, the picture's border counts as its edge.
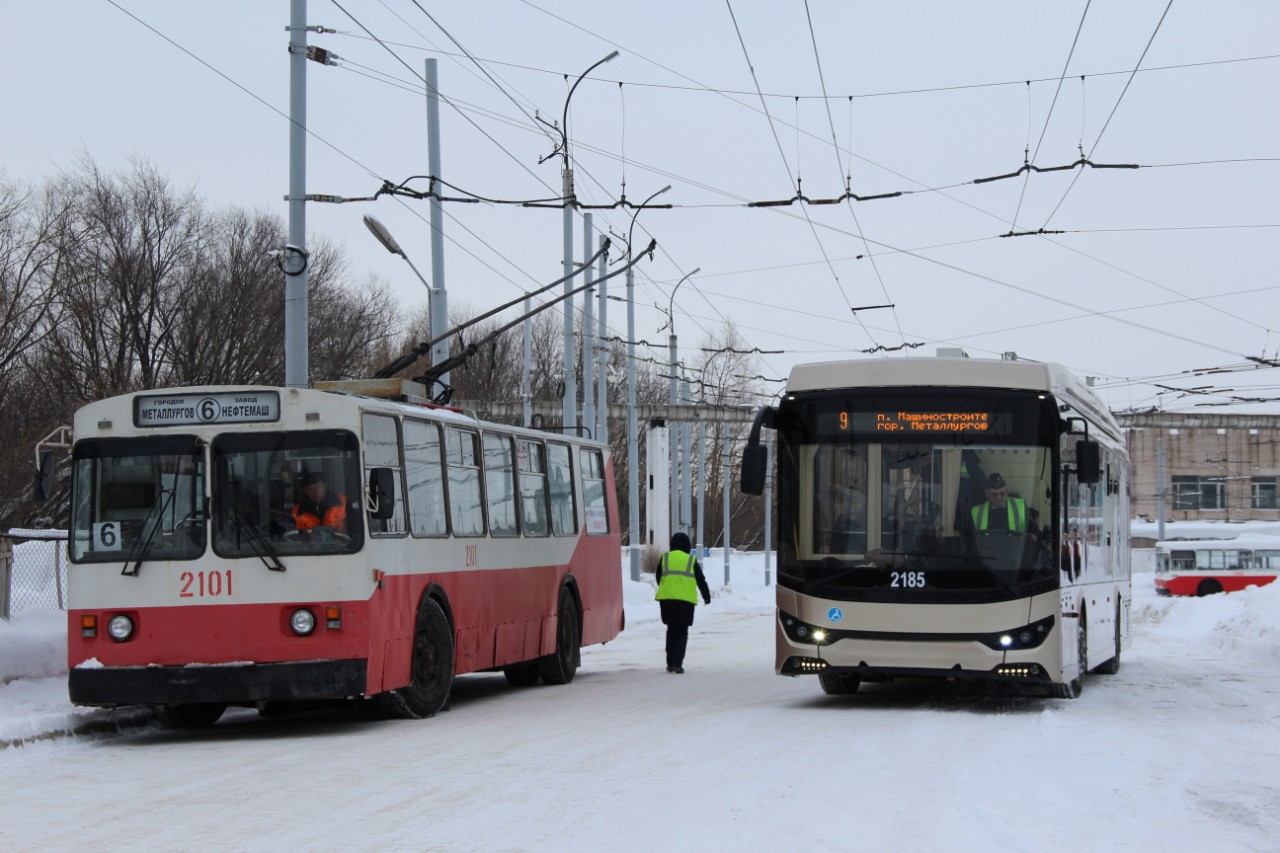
(995, 481)
(680, 542)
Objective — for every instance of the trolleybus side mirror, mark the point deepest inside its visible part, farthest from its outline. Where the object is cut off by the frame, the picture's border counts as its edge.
(382, 494)
(43, 486)
(755, 456)
(1088, 462)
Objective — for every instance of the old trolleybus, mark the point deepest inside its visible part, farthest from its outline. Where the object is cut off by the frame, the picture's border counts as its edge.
(893, 561)
(444, 546)
(1209, 566)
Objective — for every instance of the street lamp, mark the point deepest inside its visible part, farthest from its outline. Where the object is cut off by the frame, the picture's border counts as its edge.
(389, 243)
(677, 484)
(633, 452)
(570, 413)
(436, 325)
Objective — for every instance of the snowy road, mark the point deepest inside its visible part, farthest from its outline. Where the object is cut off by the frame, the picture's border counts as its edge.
(1179, 751)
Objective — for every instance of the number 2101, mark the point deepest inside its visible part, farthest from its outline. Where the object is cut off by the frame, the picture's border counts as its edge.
(205, 584)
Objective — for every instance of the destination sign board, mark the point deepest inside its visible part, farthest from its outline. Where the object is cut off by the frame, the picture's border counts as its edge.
(235, 407)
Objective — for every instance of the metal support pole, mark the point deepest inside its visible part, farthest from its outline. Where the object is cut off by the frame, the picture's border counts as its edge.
(686, 467)
(439, 298)
(296, 371)
(526, 375)
(726, 477)
(602, 353)
(570, 399)
(1159, 489)
(674, 398)
(588, 334)
(633, 437)
(702, 484)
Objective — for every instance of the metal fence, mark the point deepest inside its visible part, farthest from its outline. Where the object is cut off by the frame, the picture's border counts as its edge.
(33, 571)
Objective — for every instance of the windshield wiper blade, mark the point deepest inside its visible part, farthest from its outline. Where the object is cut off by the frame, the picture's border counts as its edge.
(142, 547)
(258, 542)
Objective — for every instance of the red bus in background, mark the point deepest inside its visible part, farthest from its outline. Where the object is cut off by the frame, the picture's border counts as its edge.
(461, 546)
(1208, 566)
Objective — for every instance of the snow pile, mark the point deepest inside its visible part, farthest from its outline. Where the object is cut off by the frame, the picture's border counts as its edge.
(1241, 624)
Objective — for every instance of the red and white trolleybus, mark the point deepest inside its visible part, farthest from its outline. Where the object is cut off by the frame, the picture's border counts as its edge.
(1208, 566)
(462, 546)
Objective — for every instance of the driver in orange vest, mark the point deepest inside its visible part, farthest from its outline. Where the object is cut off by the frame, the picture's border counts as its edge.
(320, 506)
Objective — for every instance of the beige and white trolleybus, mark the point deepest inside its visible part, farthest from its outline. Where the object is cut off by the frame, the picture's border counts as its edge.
(445, 545)
(947, 517)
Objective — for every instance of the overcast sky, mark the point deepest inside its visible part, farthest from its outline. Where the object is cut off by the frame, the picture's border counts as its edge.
(1160, 271)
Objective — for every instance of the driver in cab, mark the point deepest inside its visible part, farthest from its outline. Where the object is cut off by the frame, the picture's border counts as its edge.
(320, 506)
(999, 511)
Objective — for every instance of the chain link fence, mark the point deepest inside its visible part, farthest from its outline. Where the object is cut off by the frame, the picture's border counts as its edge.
(33, 571)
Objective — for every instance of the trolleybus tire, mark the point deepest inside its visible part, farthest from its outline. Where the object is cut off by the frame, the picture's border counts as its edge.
(562, 665)
(839, 684)
(430, 673)
(523, 674)
(200, 715)
(1209, 586)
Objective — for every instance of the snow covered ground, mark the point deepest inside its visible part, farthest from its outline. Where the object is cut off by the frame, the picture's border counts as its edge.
(1179, 751)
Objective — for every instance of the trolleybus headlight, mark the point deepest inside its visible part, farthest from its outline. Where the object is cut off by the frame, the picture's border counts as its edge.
(120, 628)
(1026, 637)
(802, 632)
(303, 622)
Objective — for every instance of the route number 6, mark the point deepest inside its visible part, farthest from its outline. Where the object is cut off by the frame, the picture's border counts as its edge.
(106, 536)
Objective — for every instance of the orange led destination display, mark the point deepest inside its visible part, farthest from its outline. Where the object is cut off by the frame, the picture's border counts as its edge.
(899, 421)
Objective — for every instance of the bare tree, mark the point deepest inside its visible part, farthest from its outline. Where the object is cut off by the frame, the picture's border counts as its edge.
(124, 249)
(28, 264)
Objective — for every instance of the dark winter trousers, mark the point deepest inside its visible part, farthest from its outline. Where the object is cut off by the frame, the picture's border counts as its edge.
(677, 616)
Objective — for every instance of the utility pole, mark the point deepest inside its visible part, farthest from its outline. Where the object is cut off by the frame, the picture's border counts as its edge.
(294, 262)
(633, 438)
(602, 354)
(439, 297)
(726, 476)
(588, 334)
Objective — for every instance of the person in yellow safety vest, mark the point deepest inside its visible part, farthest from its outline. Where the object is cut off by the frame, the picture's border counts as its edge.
(680, 580)
(999, 511)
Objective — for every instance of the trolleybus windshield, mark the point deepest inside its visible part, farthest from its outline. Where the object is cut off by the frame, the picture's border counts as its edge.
(885, 494)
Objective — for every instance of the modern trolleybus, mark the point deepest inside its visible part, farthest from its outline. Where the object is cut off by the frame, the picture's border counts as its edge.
(466, 547)
(891, 562)
(1208, 566)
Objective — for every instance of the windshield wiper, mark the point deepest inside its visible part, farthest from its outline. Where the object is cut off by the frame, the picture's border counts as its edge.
(258, 541)
(142, 547)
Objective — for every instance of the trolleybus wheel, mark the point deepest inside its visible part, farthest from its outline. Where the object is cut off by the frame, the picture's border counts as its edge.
(194, 716)
(1208, 587)
(839, 684)
(430, 674)
(1073, 688)
(523, 674)
(560, 667)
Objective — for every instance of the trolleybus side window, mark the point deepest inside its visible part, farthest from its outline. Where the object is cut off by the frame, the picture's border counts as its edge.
(425, 478)
(462, 455)
(382, 450)
(500, 484)
(593, 496)
(564, 513)
(532, 464)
